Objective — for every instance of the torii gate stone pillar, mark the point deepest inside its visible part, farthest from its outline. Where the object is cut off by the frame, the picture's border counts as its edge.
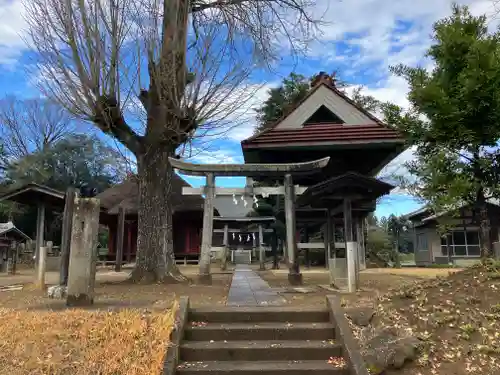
(294, 275)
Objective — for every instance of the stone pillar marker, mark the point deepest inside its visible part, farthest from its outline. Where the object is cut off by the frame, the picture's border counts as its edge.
(262, 265)
(350, 247)
(42, 265)
(225, 244)
(69, 206)
(40, 228)
(204, 275)
(294, 275)
(83, 256)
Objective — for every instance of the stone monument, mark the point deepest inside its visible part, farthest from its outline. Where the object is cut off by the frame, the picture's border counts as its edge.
(83, 255)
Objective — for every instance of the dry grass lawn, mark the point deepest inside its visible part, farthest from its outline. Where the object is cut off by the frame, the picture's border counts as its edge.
(373, 283)
(112, 292)
(125, 332)
(79, 342)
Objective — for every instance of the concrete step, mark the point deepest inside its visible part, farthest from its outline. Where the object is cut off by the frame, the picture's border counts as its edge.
(260, 368)
(260, 331)
(283, 350)
(258, 314)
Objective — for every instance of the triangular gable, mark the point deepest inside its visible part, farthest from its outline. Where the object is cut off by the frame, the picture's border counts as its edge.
(323, 116)
(334, 101)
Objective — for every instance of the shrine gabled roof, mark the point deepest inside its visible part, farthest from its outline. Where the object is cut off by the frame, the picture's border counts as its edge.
(347, 183)
(10, 228)
(369, 129)
(32, 194)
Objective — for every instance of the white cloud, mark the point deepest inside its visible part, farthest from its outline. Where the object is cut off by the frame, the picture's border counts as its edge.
(12, 28)
(383, 31)
(235, 115)
(221, 156)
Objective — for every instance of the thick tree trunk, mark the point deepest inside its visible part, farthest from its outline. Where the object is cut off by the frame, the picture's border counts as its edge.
(155, 260)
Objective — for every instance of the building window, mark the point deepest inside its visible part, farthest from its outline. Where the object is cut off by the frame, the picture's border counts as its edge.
(422, 244)
(461, 244)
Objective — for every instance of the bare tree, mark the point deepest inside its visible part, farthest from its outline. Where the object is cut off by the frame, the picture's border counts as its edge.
(196, 58)
(31, 125)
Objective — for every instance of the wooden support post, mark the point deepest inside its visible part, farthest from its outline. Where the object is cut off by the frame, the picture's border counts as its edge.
(40, 228)
(274, 250)
(69, 208)
(350, 247)
(206, 238)
(129, 243)
(360, 236)
(120, 233)
(306, 240)
(254, 246)
(294, 275)
(357, 250)
(225, 244)
(330, 237)
(83, 255)
(42, 265)
(12, 258)
(262, 265)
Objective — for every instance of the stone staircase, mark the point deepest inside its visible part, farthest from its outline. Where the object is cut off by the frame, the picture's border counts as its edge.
(260, 340)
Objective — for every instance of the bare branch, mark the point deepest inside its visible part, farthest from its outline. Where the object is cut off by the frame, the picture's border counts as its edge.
(198, 55)
(32, 125)
(81, 49)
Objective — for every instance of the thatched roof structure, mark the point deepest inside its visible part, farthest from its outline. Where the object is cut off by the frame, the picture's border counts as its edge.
(126, 195)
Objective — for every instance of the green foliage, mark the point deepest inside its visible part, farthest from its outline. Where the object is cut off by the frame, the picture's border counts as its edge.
(73, 160)
(389, 238)
(454, 120)
(280, 99)
(69, 162)
(378, 243)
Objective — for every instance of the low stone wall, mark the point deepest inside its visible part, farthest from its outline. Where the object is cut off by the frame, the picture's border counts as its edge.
(176, 336)
(344, 335)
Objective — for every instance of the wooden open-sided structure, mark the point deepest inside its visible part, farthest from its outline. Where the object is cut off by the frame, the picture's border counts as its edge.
(119, 212)
(42, 197)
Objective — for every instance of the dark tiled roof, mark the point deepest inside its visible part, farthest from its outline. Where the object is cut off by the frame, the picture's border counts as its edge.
(327, 133)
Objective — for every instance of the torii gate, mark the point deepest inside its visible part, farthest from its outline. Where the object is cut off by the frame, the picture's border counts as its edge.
(284, 171)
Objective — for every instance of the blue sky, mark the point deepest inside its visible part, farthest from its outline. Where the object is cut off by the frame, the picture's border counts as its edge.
(359, 39)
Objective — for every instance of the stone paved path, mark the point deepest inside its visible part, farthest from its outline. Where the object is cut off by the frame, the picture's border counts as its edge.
(248, 289)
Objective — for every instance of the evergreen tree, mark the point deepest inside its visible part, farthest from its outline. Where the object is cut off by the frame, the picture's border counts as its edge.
(454, 120)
